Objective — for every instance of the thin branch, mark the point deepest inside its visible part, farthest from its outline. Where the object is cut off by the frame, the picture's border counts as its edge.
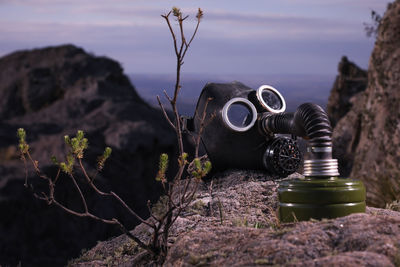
(151, 212)
(166, 17)
(80, 192)
(26, 169)
(90, 180)
(202, 126)
(192, 38)
(129, 209)
(165, 113)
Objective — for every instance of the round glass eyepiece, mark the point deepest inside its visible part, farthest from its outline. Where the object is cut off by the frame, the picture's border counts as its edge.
(239, 114)
(271, 99)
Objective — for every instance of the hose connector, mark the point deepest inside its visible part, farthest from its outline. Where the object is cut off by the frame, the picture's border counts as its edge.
(311, 122)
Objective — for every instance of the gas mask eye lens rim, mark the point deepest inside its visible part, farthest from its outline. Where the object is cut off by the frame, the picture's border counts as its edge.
(261, 100)
(246, 104)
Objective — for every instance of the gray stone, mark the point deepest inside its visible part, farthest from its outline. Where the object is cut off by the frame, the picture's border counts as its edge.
(235, 223)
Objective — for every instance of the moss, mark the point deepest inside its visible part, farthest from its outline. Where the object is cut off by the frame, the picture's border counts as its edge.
(395, 205)
(396, 260)
(262, 262)
(205, 259)
(260, 225)
(198, 207)
(85, 257)
(281, 231)
(240, 222)
(160, 207)
(128, 248)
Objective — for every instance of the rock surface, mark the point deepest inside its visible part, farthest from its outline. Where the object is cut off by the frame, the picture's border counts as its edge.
(235, 223)
(52, 92)
(367, 138)
(344, 97)
(350, 81)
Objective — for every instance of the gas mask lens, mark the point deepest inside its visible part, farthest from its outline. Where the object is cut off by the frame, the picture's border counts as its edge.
(239, 114)
(271, 99)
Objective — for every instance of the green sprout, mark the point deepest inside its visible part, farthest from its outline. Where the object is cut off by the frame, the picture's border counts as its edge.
(182, 160)
(102, 159)
(162, 168)
(201, 169)
(77, 144)
(23, 146)
(54, 160)
(69, 166)
(176, 11)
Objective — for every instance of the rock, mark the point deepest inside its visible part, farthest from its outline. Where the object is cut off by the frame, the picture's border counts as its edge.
(235, 223)
(350, 81)
(369, 133)
(53, 92)
(344, 98)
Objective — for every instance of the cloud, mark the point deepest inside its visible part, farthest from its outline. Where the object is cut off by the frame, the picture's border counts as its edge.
(230, 40)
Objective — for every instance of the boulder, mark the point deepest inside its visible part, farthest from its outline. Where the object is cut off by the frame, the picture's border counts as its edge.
(350, 81)
(368, 136)
(233, 221)
(52, 92)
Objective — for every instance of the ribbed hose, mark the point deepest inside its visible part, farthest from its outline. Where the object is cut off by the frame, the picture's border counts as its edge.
(311, 122)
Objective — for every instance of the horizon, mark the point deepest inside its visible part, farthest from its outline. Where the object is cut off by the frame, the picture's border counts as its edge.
(296, 89)
(235, 38)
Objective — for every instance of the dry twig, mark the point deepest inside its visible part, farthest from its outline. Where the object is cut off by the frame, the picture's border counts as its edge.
(179, 195)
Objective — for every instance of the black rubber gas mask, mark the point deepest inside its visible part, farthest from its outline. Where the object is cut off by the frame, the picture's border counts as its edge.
(232, 135)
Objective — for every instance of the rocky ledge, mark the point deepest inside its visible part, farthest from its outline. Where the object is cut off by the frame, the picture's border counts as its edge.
(233, 221)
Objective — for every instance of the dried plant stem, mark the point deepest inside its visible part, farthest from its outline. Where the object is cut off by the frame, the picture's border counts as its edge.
(179, 195)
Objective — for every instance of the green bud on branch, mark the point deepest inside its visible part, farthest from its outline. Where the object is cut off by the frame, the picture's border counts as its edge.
(23, 146)
(176, 11)
(162, 168)
(201, 169)
(102, 159)
(54, 160)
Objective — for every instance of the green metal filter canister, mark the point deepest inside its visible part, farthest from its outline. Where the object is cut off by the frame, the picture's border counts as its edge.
(320, 197)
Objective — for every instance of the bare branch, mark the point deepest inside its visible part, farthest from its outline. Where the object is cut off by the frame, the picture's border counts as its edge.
(80, 192)
(179, 195)
(90, 180)
(165, 113)
(167, 96)
(193, 35)
(129, 209)
(166, 17)
(202, 126)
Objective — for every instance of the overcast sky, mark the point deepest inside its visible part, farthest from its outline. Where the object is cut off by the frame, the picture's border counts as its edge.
(235, 37)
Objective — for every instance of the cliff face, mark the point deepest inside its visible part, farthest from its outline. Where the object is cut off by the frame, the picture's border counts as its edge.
(350, 81)
(344, 97)
(370, 131)
(52, 92)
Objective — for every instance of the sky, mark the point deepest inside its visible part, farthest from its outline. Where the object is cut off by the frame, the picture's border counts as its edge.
(235, 37)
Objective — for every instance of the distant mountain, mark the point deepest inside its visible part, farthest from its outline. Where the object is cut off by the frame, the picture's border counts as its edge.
(296, 89)
(52, 92)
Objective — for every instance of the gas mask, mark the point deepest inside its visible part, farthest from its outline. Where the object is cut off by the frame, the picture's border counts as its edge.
(242, 128)
(233, 135)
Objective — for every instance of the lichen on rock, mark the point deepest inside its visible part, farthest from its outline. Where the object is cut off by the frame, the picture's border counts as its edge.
(233, 221)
